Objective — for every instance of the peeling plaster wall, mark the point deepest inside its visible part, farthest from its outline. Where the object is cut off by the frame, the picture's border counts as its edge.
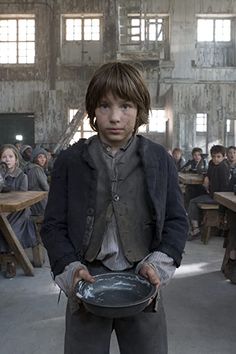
(59, 78)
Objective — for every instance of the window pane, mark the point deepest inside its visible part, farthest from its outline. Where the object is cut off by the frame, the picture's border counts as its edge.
(26, 30)
(222, 30)
(73, 29)
(205, 30)
(23, 51)
(8, 30)
(157, 121)
(201, 122)
(228, 125)
(135, 29)
(8, 53)
(86, 125)
(160, 30)
(26, 52)
(91, 29)
(152, 32)
(72, 112)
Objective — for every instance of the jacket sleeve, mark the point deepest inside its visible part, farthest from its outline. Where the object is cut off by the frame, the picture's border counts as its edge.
(172, 222)
(54, 230)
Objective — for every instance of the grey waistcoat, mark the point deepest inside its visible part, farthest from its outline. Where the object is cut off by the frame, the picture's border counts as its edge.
(128, 201)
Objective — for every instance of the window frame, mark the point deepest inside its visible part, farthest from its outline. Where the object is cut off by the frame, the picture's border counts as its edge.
(143, 29)
(204, 116)
(214, 19)
(17, 42)
(83, 18)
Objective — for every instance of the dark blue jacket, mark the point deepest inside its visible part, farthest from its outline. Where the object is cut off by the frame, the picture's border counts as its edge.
(72, 198)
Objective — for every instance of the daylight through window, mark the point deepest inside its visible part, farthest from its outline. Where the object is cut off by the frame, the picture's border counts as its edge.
(84, 131)
(157, 121)
(150, 29)
(78, 29)
(17, 41)
(213, 30)
(201, 122)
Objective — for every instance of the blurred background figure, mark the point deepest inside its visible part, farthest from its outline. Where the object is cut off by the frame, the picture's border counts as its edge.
(26, 154)
(231, 155)
(38, 178)
(16, 180)
(198, 163)
(177, 154)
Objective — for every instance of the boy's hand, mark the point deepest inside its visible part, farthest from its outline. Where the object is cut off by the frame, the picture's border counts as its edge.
(147, 271)
(82, 274)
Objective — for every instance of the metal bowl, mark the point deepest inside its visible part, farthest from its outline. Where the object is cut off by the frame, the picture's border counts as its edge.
(116, 294)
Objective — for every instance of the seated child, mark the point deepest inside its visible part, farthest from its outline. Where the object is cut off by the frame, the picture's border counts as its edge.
(231, 156)
(178, 158)
(216, 180)
(16, 180)
(196, 164)
(38, 178)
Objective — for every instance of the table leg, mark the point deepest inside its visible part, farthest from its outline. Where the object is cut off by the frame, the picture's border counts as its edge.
(230, 243)
(15, 245)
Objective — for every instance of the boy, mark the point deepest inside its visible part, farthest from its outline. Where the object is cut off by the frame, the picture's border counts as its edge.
(115, 205)
(216, 180)
(231, 156)
(197, 165)
(179, 160)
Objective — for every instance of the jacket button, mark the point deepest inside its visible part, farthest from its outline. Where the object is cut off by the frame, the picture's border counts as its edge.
(116, 198)
(90, 211)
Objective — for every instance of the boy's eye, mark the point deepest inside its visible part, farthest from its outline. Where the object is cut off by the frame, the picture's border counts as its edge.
(103, 105)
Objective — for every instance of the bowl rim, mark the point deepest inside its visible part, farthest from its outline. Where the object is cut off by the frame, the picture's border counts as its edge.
(152, 293)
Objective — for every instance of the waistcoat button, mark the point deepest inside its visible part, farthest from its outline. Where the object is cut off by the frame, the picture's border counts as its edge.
(116, 198)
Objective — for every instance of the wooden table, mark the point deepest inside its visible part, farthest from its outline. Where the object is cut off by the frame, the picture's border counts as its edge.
(12, 202)
(228, 200)
(190, 178)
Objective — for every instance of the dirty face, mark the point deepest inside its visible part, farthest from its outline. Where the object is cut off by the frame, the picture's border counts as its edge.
(217, 158)
(115, 119)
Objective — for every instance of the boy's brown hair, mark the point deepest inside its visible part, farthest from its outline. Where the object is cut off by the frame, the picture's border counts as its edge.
(196, 149)
(217, 149)
(122, 80)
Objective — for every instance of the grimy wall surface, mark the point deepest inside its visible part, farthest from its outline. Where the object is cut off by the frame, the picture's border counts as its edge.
(184, 77)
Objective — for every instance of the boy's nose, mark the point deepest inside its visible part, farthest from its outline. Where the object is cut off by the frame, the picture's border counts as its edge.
(115, 115)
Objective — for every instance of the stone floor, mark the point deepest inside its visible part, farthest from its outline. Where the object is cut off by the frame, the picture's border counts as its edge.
(200, 306)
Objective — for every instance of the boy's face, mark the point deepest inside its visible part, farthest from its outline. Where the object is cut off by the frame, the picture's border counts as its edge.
(197, 156)
(231, 155)
(217, 158)
(115, 119)
(176, 155)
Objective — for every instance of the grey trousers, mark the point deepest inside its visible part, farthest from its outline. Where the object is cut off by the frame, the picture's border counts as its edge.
(144, 333)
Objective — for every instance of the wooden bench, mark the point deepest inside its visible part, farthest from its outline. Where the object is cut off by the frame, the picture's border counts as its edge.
(211, 218)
